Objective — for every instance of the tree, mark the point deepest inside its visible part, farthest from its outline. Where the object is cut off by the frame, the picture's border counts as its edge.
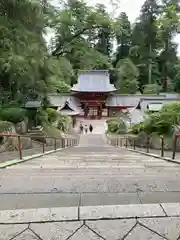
(151, 89)
(148, 17)
(23, 54)
(144, 41)
(127, 74)
(61, 75)
(163, 121)
(104, 33)
(74, 22)
(177, 77)
(123, 37)
(85, 37)
(168, 24)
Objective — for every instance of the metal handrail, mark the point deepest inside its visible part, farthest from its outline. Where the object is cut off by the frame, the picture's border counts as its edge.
(123, 141)
(65, 141)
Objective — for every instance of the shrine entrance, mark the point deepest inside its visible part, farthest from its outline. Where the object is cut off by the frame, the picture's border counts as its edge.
(92, 104)
(93, 111)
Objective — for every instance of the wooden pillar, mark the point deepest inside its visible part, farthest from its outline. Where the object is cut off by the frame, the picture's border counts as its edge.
(100, 111)
(107, 111)
(74, 121)
(85, 110)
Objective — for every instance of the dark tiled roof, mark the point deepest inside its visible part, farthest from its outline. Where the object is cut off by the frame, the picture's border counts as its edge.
(70, 105)
(69, 112)
(171, 95)
(130, 101)
(56, 101)
(160, 99)
(93, 81)
(148, 101)
(134, 100)
(32, 104)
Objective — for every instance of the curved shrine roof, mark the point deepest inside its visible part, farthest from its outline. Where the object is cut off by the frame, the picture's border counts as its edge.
(93, 81)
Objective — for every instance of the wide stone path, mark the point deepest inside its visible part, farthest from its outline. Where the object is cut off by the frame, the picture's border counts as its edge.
(129, 222)
(92, 173)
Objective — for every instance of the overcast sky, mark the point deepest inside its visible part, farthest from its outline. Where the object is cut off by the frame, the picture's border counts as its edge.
(131, 7)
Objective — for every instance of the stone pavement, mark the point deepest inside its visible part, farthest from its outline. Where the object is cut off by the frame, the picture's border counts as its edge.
(91, 191)
(92, 173)
(129, 222)
(98, 125)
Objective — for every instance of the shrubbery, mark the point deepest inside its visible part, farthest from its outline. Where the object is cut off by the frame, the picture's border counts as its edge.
(5, 126)
(52, 115)
(41, 117)
(151, 89)
(117, 126)
(47, 116)
(161, 122)
(63, 123)
(12, 114)
(137, 128)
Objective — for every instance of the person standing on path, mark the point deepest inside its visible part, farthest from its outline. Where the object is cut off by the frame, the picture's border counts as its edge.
(86, 129)
(90, 128)
(81, 128)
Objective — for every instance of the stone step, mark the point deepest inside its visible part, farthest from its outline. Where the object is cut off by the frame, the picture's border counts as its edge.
(136, 180)
(89, 165)
(97, 176)
(92, 167)
(49, 200)
(90, 172)
(48, 184)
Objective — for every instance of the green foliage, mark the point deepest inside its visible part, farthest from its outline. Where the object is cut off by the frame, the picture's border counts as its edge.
(172, 113)
(158, 122)
(46, 116)
(41, 117)
(127, 76)
(5, 126)
(137, 128)
(51, 131)
(151, 89)
(84, 39)
(52, 115)
(61, 74)
(63, 123)
(161, 122)
(23, 53)
(116, 125)
(12, 114)
(177, 77)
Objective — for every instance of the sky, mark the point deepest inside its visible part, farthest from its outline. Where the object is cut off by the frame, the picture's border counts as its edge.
(131, 7)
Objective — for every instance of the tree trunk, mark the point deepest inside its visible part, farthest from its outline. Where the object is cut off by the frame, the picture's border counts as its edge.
(150, 66)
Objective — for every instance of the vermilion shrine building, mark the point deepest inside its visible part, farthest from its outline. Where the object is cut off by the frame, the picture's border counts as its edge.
(93, 97)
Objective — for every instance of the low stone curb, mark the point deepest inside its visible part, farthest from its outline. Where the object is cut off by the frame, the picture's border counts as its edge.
(153, 155)
(89, 213)
(27, 158)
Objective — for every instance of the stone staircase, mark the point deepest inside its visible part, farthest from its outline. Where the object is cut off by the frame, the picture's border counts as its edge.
(37, 134)
(91, 173)
(98, 125)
